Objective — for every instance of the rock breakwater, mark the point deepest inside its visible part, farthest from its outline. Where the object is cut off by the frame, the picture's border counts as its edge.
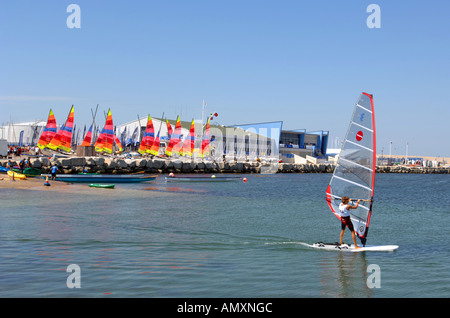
(157, 165)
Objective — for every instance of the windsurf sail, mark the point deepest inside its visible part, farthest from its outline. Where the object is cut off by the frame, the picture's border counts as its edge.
(49, 131)
(354, 175)
(189, 142)
(105, 140)
(63, 138)
(148, 138)
(175, 140)
(204, 151)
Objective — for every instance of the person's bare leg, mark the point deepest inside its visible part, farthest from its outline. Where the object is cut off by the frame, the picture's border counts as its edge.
(341, 236)
(354, 239)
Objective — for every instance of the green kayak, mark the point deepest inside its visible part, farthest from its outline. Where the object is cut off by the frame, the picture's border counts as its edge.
(97, 185)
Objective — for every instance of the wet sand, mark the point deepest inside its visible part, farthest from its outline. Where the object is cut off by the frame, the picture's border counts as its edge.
(35, 183)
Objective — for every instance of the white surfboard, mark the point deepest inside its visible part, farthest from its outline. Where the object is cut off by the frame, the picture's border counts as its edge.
(350, 248)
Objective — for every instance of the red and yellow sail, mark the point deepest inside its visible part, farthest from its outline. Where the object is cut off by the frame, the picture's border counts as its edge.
(189, 142)
(204, 150)
(105, 140)
(148, 138)
(63, 138)
(175, 140)
(154, 150)
(49, 131)
(88, 138)
(169, 128)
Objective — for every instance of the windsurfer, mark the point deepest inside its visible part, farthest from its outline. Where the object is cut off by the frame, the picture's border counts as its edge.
(344, 212)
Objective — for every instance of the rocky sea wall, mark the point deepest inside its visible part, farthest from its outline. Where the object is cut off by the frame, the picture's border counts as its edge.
(157, 165)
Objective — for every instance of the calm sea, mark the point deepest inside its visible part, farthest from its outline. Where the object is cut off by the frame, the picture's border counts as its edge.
(222, 240)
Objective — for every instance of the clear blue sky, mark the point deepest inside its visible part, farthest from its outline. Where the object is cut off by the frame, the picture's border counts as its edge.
(302, 62)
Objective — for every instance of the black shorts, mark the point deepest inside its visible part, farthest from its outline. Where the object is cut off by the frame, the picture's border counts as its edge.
(345, 221)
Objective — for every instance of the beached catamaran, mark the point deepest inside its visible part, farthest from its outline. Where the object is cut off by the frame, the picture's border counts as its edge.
(354, 175)
(189, 142)
(175, 139)
(148, 138)
(49, 131)
(63, 138)
(106, 139)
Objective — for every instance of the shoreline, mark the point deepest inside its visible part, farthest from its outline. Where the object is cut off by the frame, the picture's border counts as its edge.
(106, 165)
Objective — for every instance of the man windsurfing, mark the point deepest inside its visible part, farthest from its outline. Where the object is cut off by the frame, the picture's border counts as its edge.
(344, 213)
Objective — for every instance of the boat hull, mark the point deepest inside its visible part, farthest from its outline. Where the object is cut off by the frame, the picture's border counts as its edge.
(101, 178)
(16, 175)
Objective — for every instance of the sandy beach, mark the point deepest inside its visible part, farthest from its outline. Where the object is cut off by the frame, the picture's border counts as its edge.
(37, 184)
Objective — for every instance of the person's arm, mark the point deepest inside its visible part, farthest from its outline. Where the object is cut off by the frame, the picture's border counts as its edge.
(353, 206)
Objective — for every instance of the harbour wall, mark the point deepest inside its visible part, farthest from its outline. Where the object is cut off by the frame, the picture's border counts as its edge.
(156, 165)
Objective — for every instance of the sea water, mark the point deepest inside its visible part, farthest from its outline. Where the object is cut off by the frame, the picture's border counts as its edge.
(215, 240)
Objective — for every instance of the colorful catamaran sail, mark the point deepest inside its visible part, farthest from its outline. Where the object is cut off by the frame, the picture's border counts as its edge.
(148, 138)
(88, 138)
(175, 140)
(204, 151)
(49, 131)
(106, 139)
(63, 138)
(354, 175)
(154, 149)
(189, 142)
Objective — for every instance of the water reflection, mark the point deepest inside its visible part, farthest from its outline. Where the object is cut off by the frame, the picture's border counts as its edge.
(344, 275)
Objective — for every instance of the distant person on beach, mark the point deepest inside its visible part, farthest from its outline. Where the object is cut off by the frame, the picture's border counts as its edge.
(21, 165)
(54, 169)
(344, 213)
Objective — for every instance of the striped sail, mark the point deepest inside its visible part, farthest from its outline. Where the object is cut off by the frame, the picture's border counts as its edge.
(175, 140)
(189, 142)
(105, 140)
(49, 131)
(88, 138)
(148, 138)
(204, 151)
(154, 149)
(63, 138)
(354, 175)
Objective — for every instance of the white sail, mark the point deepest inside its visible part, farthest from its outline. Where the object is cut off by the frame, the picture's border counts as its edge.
(354, 175)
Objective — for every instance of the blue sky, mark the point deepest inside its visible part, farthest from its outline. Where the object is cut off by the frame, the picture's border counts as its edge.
(302, 62)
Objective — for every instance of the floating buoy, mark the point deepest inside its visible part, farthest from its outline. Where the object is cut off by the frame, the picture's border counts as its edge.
(171, 175)
(245, 180)
(213, 176)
